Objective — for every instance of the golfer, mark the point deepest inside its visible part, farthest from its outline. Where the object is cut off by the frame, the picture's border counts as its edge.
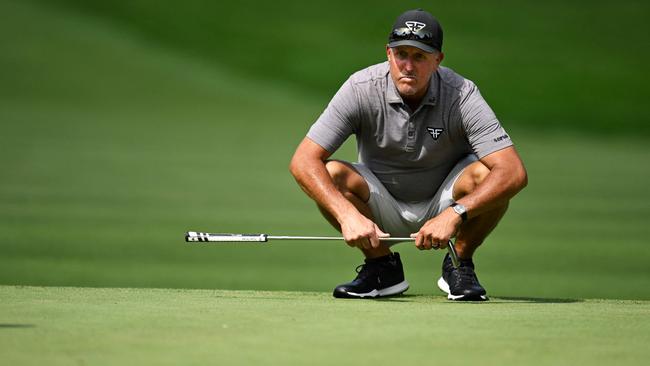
(434, 163)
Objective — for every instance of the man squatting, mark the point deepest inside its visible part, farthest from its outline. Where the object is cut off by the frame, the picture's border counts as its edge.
(434, 163)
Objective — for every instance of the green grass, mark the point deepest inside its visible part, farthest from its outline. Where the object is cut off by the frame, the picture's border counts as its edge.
(577, 65)
(62, 326)
(114, 146)
(115, 139)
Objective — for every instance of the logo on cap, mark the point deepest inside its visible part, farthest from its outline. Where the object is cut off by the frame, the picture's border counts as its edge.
(415, 26)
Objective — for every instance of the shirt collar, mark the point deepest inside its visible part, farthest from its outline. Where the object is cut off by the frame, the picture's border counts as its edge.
(392, 95)
(431, 98)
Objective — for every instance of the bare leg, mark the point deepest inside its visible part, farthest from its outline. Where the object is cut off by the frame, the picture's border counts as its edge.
(353, 187)
(473, 232)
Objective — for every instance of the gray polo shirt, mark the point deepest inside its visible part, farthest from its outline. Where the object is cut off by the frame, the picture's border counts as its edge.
(410, 152)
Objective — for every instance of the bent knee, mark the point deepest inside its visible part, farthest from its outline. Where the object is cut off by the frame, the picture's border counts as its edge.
(338, 171)
(478, 172)
(473, 175)
(347, 180)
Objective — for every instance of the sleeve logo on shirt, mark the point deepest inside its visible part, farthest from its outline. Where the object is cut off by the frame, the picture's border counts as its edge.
(435, 132)
(501, 138)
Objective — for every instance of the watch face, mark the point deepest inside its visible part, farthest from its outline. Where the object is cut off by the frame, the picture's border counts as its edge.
(460, 209)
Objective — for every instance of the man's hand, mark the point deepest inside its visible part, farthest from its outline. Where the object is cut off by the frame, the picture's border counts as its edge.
(436, 232)
(358, 231)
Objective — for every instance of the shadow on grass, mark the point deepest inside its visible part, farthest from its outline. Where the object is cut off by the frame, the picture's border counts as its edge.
(493, 300)
(15, 326)
(406, 298)
(539, 300)
(403, 298)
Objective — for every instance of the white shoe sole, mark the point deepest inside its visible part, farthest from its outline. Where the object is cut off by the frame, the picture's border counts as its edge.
(444, 287)
(388, 291)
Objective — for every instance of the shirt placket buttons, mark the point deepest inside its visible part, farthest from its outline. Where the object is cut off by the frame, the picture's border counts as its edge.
(410, 136)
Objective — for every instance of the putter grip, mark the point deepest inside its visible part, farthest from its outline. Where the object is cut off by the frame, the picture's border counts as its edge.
(193, 236)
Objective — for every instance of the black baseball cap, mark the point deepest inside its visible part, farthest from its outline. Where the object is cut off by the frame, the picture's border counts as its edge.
(416, 28)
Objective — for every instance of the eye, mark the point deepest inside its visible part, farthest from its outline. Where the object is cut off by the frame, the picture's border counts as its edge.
(402, 55)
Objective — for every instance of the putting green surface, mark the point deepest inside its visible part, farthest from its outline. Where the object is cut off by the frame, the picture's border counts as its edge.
(63, 326)
(116, 139)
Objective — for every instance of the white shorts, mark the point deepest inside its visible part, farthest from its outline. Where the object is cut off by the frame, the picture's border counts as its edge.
(400, 219)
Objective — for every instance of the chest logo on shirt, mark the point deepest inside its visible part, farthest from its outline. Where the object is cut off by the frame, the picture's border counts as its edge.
(435, 132)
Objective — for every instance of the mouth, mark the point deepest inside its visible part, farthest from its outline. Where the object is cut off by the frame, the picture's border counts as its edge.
(408, 78)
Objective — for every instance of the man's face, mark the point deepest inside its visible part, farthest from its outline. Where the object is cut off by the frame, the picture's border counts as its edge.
(411, 69)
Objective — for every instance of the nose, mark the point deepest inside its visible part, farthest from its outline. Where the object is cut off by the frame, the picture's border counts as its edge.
(408, 65)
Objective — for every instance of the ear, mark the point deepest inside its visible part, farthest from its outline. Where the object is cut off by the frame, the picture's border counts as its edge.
(388, 53)
(441, 56)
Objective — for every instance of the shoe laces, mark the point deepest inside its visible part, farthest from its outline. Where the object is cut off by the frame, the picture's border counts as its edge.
(375, 268)
(465, 274)
(365, 270)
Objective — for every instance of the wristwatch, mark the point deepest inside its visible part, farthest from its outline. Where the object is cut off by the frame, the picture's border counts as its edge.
(460, 210)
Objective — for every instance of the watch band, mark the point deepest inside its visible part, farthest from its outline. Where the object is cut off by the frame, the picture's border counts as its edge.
(460, 210)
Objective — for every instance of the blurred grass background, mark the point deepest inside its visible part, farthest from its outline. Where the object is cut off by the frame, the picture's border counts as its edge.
(125, 123)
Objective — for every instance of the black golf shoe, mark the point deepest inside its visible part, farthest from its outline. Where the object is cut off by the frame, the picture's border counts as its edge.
(383, 276)
(461, 283)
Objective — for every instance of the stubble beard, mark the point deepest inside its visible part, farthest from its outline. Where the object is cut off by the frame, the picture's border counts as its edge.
(409, 91)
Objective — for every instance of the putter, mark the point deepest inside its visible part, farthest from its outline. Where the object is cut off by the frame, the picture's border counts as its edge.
(194, 236)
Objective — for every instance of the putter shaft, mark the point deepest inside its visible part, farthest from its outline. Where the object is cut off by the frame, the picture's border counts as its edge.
(193, 236)
(452, 253)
